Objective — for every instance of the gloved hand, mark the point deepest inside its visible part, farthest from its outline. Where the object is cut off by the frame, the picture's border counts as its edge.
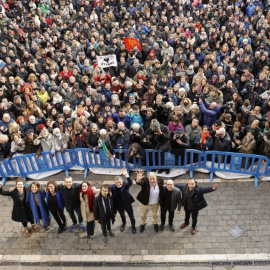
(52, 154)
(63, 150)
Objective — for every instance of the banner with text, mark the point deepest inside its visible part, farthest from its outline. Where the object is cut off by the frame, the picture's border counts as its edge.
(107, 61)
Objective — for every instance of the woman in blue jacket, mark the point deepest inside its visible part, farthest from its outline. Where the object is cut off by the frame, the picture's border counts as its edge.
(56, 205)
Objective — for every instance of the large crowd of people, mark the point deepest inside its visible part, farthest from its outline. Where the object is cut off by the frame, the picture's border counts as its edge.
(200, 78)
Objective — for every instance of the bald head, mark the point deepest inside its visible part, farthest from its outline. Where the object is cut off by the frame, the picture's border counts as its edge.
(213, 105)
(170, 185)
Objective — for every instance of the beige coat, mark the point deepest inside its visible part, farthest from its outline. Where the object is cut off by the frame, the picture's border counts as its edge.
(85, 211)
(247, 146)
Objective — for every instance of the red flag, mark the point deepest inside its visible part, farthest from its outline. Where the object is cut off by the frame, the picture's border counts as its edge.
(131, 42)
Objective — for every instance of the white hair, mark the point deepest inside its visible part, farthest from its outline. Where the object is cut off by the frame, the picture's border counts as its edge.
(56, 130)
(66, 108)
(135, 126)
(103, 132)
(170, 105)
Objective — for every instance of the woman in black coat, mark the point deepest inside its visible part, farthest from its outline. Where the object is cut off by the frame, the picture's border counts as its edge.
(21, 211)
(92, 137)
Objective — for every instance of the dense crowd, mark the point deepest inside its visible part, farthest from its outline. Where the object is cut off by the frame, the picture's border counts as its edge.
(200, 79)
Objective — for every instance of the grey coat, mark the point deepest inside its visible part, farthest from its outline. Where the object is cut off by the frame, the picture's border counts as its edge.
(47, 144)
(176, 201)
(60, 143)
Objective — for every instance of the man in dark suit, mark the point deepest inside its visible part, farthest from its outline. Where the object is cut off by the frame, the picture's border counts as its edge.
(193, 201)
(149, 197)
(104, 212)
(171, 200)
(123, 199)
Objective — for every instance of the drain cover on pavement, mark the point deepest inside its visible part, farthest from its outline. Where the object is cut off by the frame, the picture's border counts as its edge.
(236, 231)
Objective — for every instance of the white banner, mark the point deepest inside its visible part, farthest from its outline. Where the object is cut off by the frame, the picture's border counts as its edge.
(107, 61)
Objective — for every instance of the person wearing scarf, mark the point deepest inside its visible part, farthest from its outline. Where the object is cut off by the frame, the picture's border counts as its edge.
(36, 200)
(56, 205)
(87, 196)
(204, 141)
(104, 143)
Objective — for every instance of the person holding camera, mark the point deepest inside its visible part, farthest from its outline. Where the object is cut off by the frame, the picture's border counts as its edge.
(222, 141)
(160, 138)
(135, 151)
(180, 142)
(146, 140)
(209, 110)
(136, 131)
(121, 137)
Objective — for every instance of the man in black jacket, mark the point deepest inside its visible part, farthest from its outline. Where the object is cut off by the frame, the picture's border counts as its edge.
(171, 200)
(104, 212)
(70, 192)
(123, 199)
(149, 197)
(193, 201)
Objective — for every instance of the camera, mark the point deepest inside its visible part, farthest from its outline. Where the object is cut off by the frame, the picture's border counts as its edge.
(262, 134)
(78, 132)
(121, 132)
(155, 129)
(120, 147)
(178, 137)
(201, 95)
(134, 132)
(147, 140)
(135, 153)
(229, 104)
(218, 136)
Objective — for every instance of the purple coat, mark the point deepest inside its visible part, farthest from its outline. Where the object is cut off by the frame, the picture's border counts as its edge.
(209, 115)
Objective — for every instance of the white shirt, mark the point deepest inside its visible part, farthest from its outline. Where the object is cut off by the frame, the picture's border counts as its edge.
(154, 195)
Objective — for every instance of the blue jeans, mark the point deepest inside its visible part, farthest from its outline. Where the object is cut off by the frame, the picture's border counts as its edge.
(106, 227)
(90, 226)
(72, 215)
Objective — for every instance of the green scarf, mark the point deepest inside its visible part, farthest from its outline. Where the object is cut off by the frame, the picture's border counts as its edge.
(105, 149)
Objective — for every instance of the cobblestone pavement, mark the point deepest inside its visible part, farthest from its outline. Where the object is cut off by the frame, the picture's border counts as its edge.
(135, 268)
(233, 202)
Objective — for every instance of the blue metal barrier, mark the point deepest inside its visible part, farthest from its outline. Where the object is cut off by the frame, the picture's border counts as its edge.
(213, 161)
(235, 163)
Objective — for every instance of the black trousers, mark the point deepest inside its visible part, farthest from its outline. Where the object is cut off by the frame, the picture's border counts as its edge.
(128, 208)
(163, 213)
(25, 223)
(59, 217)
(194, 217)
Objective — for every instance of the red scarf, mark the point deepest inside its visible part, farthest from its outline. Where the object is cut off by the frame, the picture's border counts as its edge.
(204, 137)
(90, 194)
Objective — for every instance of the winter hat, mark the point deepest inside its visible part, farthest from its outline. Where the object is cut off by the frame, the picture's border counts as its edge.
(40, 126)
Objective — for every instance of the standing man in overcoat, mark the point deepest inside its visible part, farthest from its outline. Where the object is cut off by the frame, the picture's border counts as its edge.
(193, 201)
(123, 200)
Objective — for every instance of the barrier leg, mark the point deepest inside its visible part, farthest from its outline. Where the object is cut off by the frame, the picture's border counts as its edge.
(211, 176)
(256, 181)
(191, 173)
(85, 173)
(4, 179)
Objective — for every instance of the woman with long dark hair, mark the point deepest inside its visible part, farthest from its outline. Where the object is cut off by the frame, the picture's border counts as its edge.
(36, 199)
(56, 205)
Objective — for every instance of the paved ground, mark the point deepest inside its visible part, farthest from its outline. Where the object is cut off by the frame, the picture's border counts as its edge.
(233, 202)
